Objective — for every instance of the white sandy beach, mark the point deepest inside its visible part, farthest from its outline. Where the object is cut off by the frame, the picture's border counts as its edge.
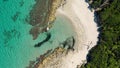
(83, 21)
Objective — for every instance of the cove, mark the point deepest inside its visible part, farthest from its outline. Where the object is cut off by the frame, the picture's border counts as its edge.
(16, 44)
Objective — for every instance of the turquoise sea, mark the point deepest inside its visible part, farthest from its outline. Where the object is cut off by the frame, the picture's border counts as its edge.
(16, 44)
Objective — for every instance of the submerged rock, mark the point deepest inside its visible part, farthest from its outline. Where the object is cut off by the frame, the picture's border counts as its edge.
(45, 40)
(43, 15)
(69, 43)
(35, 64)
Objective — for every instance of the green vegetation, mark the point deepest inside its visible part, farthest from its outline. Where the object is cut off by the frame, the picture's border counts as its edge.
(96, 3)
(107, 53)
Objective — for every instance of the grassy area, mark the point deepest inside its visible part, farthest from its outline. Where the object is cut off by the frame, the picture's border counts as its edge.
(107, 53)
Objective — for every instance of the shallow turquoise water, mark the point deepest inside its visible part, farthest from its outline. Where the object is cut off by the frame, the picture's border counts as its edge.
(16, 44)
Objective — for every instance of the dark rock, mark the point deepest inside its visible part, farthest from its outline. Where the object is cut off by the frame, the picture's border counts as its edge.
(39, 16)
(69, 42)
(34, 32)
(45, 40)
(35, 64)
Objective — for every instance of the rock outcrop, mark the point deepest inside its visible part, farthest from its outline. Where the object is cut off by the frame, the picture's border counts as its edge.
(42, 16)
(54, 59)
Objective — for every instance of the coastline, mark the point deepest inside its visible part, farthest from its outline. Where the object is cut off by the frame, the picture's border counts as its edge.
(42, 16)
(100, 55)
(86, 29)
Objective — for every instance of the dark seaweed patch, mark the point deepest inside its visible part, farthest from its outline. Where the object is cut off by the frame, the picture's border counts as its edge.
(15, 17)
(8, 35)
(45, 40)
(21, 3)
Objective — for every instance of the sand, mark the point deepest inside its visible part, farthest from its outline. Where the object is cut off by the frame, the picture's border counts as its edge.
(86, 31)
(85, 27)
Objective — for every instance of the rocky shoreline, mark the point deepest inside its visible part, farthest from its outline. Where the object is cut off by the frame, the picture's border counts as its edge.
(44, 61)
(72, 57)
(35, 64)
(42, 16)
(55, 57)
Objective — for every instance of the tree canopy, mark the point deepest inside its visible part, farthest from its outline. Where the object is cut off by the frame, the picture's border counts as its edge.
(106, 54)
